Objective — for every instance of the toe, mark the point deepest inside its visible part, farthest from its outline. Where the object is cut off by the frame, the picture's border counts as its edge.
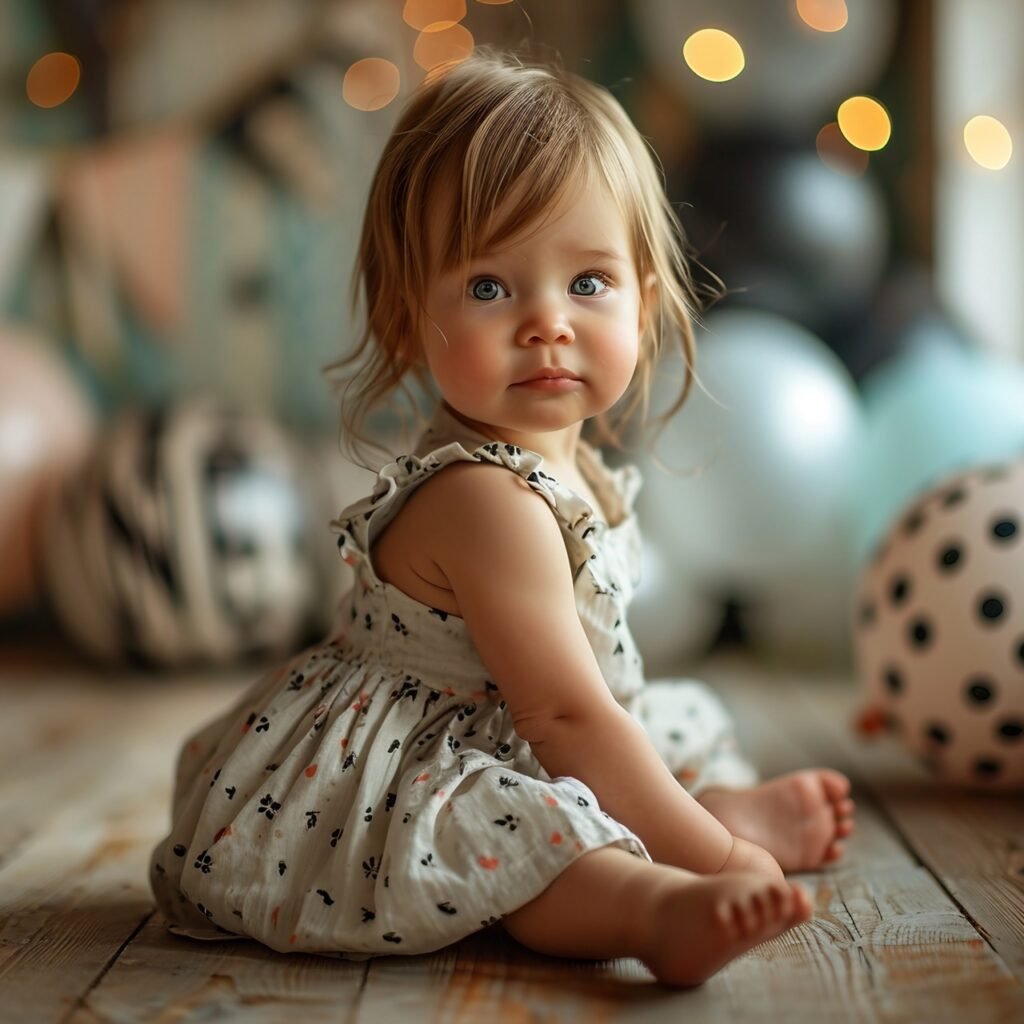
(845, 809)
(783, 901)
(836, 784)
(845, 828)
(834, 852)
(803, 907)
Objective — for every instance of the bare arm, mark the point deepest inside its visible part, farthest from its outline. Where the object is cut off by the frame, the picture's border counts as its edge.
(613, 755)
(501, 549)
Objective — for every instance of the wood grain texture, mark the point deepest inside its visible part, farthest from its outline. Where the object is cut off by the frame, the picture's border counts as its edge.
(921, 919)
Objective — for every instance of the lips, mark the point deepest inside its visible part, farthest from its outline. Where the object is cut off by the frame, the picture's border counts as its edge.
(550, 373)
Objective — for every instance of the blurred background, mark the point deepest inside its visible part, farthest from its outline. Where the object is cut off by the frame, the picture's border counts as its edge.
(181, 190)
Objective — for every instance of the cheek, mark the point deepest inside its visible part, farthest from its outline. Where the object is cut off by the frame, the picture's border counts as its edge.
(466, 362)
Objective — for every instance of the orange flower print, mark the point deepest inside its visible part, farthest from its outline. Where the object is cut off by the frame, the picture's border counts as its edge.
(490, 863)
(311, 771)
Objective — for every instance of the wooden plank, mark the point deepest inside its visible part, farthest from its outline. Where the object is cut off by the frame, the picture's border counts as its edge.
(163, 978)
(89, 809)
(887, 942)
(906, 930)
(972, 842)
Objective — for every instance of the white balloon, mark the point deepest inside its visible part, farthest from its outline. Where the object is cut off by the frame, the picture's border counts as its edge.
(794, 76)
(771, 449)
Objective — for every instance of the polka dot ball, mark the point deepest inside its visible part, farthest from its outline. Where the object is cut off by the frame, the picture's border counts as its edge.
(939, 628)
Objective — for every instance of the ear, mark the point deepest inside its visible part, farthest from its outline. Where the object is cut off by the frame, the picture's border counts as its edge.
(648, 299)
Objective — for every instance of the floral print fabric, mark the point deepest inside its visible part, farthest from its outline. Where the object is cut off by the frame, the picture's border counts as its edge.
(371, 796)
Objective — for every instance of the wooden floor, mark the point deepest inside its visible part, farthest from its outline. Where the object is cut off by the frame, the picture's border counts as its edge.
(923, 920)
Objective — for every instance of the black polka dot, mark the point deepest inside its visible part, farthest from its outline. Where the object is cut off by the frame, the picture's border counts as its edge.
(899, 589)
(987, 767)
(937, 733)
(979, 690)
(953, 497)
(991, 608)
(893, 680)
(913, 522)
(1011, 729)
(919, 633)
(1020, 652)
(1004, 529)
(949, 557)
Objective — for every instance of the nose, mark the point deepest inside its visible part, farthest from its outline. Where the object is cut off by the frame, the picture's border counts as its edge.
(545, 321)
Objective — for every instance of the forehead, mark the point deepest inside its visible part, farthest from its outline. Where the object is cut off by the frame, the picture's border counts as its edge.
(585, 216)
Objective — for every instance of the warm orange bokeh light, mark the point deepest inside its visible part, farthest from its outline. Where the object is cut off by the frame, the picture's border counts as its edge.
(53, 79)
(988, 142)
(837, 153)
(823, 15)
(371, 83)
(421, 13)
(441, 43)
(864, 122)
(714, 55)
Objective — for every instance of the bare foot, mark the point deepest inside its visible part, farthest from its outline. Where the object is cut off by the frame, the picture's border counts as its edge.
(698, 923)
(798, 818)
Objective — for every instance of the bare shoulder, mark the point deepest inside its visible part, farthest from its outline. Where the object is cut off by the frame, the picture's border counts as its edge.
(411, 550)
(476, 508)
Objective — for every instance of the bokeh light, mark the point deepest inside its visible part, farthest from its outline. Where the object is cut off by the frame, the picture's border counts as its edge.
(53, 79)
(371, 84)
(714, 55)
(864, 122)
(442, 43)
(823, 15)
(836, 152)
(494, 3)
(422, 13)
(988, 142)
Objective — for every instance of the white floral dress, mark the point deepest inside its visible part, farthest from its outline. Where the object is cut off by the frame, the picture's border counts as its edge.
(371, 796)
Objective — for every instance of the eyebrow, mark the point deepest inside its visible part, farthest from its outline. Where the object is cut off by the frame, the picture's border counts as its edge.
(608, 254)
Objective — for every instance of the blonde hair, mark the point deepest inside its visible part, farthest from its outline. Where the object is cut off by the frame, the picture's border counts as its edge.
(488, 124)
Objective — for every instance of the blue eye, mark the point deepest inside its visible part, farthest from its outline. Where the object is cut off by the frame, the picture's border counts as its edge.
(489, 284)
(592, 275)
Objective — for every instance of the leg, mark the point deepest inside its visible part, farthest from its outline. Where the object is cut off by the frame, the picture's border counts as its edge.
(683, 926)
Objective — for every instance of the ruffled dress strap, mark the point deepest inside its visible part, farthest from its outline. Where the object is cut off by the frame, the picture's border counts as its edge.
(447, 440)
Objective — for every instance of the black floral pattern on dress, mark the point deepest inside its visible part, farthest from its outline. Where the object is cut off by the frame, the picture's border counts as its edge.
(372, 681)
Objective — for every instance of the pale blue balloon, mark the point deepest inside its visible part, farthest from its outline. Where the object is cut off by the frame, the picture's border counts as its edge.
(932, 411)
(770, 449)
